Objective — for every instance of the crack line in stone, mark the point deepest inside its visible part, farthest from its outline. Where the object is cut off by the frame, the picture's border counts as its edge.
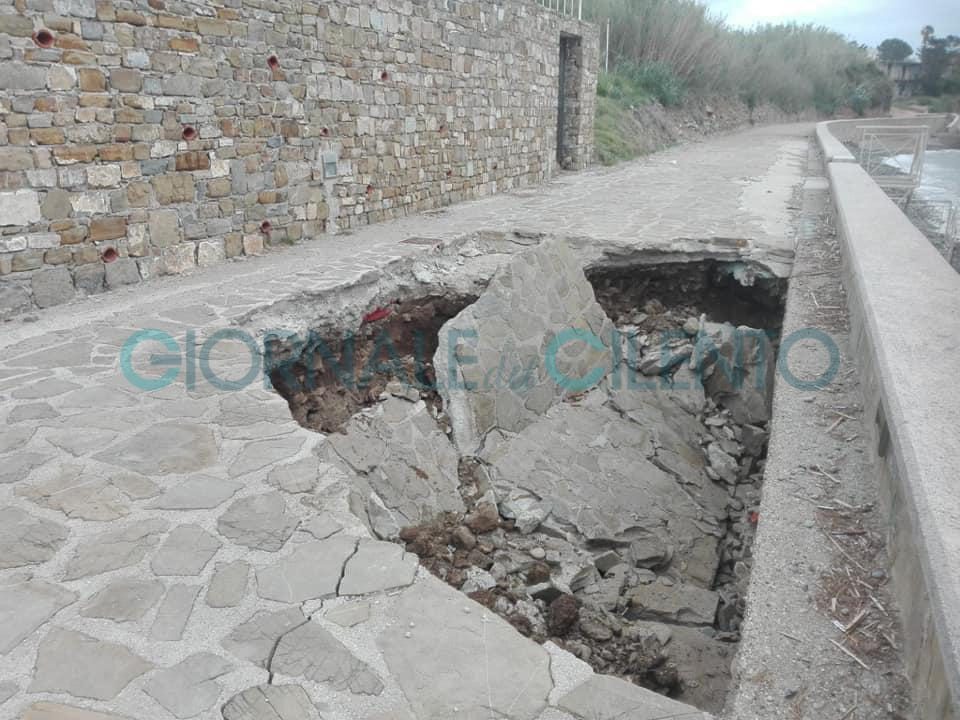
(343, 570)
(276, 645)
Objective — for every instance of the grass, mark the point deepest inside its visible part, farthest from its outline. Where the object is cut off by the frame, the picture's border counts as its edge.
(617, 132)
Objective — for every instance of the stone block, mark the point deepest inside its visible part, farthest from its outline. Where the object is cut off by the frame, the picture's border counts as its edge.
(184, 45)
(233, 245)
(93, 203)
(13, 243)
(210, 252)
(72, 235)
(52, 286)
(58, 256)
(104, 176)
(253, 245)
(138, 194)
(174, 188)
(91, 80)
(19, 76)
(75, 154)
(497, 365)
(86, 254)
(43, 241)
(89, 278)
(16, 25)
(13, 159)
(131, 18)
(218, 188)
(14, 300)
(56, 205)
(137, 240)
(193, 160)
(122, 271)
(109, 228)
(47, 136)
(182, 84)
(20, 208)
(178, 259)
(61, 77)
(164, 228)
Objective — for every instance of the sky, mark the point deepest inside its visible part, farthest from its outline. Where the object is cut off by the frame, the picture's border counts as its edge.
(867, 21)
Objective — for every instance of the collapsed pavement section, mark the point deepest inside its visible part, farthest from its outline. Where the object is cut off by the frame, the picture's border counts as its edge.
(611, 516)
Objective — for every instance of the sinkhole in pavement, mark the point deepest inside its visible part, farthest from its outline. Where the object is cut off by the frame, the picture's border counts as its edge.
(616, 520)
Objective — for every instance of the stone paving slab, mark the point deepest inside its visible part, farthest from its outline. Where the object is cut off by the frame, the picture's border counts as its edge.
(147, 530)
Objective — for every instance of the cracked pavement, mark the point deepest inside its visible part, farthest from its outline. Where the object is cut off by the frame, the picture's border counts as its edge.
(191, 552)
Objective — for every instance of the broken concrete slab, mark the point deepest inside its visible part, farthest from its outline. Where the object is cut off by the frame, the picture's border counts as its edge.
(536, 335)
(597, 469)
(608, 698)
(321, 526)
(256, 639)
(313, 653)
(378, 566)
(271, 702)
(26, 606)
(313, 570)
(738, 366)
(106, 668)
(454, 658)
(676, 603)
(350, 614)
(397, 450)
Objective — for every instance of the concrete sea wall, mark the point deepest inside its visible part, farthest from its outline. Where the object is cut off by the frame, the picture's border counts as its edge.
(145, 137)
(905, 313)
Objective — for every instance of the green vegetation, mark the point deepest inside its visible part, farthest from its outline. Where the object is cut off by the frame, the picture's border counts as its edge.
(894, 50)
(666, 50)
(616, 131)
(941, 63)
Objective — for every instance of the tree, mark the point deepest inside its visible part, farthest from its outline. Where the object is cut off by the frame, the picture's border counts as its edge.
(894, 50)
(937, 55)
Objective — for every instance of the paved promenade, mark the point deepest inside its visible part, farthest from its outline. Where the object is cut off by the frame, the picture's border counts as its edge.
(183, 553)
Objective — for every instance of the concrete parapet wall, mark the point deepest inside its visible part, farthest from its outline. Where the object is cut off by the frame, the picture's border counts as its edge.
(833, 134)
(160, 136)
(905, 313)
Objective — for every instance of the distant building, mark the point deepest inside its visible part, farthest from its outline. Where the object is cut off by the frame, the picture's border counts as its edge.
(905, 76)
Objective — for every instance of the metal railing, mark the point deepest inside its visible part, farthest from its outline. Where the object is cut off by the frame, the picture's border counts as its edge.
(569, 8)
(893, 156)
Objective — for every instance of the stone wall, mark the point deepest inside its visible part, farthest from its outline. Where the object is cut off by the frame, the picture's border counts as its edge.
(146, 137)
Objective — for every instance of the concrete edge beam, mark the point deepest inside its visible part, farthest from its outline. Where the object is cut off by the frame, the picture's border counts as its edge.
(905, 314)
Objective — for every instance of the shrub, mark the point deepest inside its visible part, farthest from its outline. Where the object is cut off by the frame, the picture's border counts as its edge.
(654, 79)
(669, 48)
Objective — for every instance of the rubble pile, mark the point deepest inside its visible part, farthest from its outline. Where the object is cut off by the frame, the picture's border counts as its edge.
(615, 516)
